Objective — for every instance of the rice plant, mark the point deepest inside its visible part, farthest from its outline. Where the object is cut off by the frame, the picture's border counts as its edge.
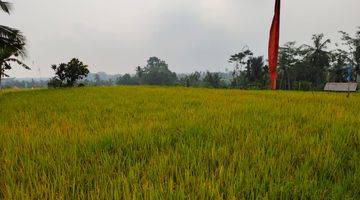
(178, 143)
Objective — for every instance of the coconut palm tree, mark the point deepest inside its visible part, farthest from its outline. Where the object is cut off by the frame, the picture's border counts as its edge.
(318, 58)
(12, 45)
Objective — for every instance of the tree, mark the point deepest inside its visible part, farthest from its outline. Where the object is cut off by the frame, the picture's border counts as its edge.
(287, 59)
(156, 72)
(317, 59)
(12, 45)
(240, 60)
(127, 79)
(68, 74)
(353, 44)
(337, 71)
(5, 32)
(9, 55)
(191, 80)
(255, 71)
(9, 35)
(212, 80)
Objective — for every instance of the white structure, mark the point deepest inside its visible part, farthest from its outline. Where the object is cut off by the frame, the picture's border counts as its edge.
(341, 87)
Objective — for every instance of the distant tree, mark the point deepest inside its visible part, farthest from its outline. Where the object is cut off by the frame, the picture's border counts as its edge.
(337, 71)
(191, 80)
(354, 49)
(255, 71)
(156, 72)
(55, 82)
(212, 80)
(240, 61)
(317, 58)
(127, 79)
(97, 79)
(12, 45)
(66, 75)
(139, 72)
(288, 57)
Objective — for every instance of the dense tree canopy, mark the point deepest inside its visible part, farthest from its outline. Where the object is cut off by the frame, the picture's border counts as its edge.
(67, 75)
(156, 72)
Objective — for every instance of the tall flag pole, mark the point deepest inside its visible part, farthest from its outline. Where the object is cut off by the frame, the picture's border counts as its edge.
(274, 45)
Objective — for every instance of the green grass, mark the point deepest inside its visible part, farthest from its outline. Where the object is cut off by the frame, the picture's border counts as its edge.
(176, 143)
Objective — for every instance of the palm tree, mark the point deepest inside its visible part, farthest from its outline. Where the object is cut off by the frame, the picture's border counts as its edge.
(318, 58)
(12, 45)
(5, 32)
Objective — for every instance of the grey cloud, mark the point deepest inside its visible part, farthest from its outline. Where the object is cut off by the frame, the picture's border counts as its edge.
(117, 35)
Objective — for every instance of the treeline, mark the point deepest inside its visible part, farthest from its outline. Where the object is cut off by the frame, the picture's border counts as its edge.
(301, 67)
(311, 66)
(157, 72)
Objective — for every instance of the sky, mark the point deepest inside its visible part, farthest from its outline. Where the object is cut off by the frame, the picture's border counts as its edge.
(115, 36)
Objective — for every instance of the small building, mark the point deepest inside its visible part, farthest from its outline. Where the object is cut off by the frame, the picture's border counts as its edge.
(341, 87)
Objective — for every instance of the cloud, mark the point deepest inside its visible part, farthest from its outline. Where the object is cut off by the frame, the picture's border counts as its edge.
(115, 36)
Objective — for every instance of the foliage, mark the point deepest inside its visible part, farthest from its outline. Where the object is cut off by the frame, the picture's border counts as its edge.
(354, 49)
(5, 6)
(127, 79)
(317, 59)
(304, 67)
(240, 60)
(337, 72)
(191, 80)
(178, 143)
(156, 72)
(288, 58)
(67, 75)
(311, 66)
(12, 45)
(256, 72)
(249, 71)
(212, 80)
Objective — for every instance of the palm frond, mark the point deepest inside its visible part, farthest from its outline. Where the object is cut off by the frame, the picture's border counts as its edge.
(12, 40)
(19, 62)
(5, 6)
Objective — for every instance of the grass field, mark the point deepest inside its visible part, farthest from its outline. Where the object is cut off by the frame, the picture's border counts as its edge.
(176, 143)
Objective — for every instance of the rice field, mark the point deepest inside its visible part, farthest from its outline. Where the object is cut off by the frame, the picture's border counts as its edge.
(178, 143)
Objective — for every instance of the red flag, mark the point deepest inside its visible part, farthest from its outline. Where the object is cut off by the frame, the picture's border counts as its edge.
(274, 45)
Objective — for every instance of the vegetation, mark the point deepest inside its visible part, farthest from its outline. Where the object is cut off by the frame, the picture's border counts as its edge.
(67, 75)
(156, 72)
(353, 51)
(309, 67)
(301, 67)
(173, 143)
(12, 45)
(207, 79)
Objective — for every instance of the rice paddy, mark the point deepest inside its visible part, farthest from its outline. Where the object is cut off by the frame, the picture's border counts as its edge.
(178, 143)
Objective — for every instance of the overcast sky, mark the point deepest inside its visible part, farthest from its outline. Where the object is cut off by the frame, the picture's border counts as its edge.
(115, 36)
